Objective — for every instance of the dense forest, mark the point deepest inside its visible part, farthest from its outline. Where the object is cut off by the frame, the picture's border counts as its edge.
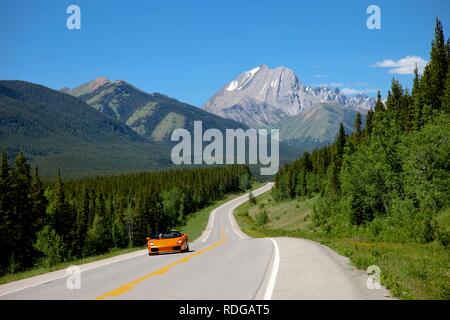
(389, 178)
(44, 225)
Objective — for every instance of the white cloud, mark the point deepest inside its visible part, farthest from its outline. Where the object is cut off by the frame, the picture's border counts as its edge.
(403, 66)
(319, 76)
(353, 91)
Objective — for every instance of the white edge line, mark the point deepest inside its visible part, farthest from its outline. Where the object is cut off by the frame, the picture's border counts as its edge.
(234, 225)
(274, 272)
(205, 235)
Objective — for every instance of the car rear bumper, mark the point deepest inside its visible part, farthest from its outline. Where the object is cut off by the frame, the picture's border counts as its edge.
(155, 250)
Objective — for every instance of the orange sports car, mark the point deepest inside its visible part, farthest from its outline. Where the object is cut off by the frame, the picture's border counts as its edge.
(173, 241)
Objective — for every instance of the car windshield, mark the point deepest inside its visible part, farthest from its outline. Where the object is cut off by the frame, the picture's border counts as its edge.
(165, 235)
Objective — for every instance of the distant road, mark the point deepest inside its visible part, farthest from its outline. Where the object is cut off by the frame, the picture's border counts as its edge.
(223, 263)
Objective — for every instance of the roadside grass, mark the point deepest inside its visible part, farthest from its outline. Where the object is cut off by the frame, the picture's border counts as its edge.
(193, 227)
(286, 215)
(409, 270)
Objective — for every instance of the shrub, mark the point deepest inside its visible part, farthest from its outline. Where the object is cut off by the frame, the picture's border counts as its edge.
(443, 237)
(245, 181)
(50, 244)
(262, 218)
(252, 198)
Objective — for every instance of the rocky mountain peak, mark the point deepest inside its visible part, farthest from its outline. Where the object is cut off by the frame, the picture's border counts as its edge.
(263, 96)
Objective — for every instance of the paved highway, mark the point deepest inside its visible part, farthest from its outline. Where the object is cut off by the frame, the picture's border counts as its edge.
(223, 263)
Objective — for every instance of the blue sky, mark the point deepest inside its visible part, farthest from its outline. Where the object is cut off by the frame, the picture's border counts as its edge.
(189, 49)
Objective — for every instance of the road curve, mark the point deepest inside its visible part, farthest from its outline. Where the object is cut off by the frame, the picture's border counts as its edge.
(223, 263)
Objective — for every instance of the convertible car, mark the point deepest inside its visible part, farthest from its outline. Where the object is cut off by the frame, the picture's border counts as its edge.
(172, 241)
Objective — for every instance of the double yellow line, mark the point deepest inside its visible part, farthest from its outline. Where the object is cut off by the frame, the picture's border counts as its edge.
(126, 287)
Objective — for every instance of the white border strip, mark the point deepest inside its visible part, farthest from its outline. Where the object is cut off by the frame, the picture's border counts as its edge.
(207, 232)
(274, 272)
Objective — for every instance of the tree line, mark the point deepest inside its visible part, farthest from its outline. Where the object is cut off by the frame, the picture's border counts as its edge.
(47, 224)
(390, 177)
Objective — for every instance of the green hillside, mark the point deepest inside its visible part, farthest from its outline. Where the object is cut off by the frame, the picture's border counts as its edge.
(316, 126)
(59, 132)
(153, 116)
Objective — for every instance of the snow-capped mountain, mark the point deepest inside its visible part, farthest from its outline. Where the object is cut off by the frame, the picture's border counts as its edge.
(262, 97)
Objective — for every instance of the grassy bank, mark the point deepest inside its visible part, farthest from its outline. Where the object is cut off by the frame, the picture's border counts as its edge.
(409, 270)
(194, 227)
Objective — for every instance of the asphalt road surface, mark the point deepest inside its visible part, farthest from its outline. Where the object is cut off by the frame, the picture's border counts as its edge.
(223, 263)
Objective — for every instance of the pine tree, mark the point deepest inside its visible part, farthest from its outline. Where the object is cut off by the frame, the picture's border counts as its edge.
(446, 98)
(358, 124)
(379, 105)
(395, 94)
(395, 105)
(98, 238)
(417, 100)
(139, 225)
(60, 215)
(416, 82)
(119, 232)
(369, 123)
(407, 111)
(82, 224)
(38, 199)
(436, 71)
(6, 221)
(23, 216)
(340, 144)
(334, 177)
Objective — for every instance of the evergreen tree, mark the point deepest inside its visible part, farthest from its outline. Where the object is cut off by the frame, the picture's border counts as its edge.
(407, 111)
(98, 237)
(417, 100)
(416, 82)
(6, 219)
(139, 222)
(434, 77)
(60, 216)
(119, 232)
(82, 224)
(39, 201)
(24, 218)
(379, 105)
(172, 206)
(395, 94)
(340, 144)
(446, 98)
(369, 123)
(358, 124)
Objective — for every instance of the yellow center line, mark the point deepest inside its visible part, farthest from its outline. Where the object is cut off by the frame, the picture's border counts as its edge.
(126, 287)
